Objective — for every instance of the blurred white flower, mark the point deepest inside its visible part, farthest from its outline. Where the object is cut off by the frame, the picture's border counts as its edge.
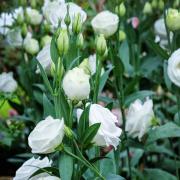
(14, 37)
(174, 67)
(44, 57)
(5, 21)
(31, 166)
(55, 11)
(108, 133)
(7, 82)
(31, 45)
(34, 16)
(161, 34)
(46, 136)
(48, 177)
(138, 118)
(46, 40)
(76, 84)
(18, 12)
(105, 23)
(92, 63)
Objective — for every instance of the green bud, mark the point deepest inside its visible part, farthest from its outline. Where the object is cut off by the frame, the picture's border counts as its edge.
(120, 10)
(147, 8)
(161, 5)
(24, 30)
(47, 27)
(22, 2)
(122, 35)
(20, 19)
(77, 24)
(101, 45)
(67, 19)
(63, 42)
(173, 19)
(154, 4)
(46, 40)
(59, 74)
(85, 66)
(27, 18)
(80, 41)
(176, 4)
(68, 132)
(33, 3)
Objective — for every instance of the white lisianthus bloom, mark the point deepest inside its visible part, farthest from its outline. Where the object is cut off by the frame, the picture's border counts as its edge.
(174, 68)
(76, 84)
(55, 11)
(44, 58)
(7, 83)
(108, 133)
(138, 118)
(46, 136)
(34, 16)
(49, 178)
(30, 167)
(105, 23)
(14, 37)
(5, 21)
(161, 34)
(31, 45)
(92, 63)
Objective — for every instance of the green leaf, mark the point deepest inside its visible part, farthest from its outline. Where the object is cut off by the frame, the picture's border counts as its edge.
(54, 50)
(118, 66)
(90, 134)
(103, 79)
(124, 55)
(114, 177)
(156, 174)
(48, 107)
(83, 123)
(45, 78)
(137, 95)
(73, 63)
(66, 165)
(168, 130)
(137, 154)
(157, 49)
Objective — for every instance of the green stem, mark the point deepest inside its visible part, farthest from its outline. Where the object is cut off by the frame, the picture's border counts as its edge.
(178, 103)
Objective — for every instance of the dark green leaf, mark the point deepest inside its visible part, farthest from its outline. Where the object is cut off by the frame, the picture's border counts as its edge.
(54, 50)
(48, 107)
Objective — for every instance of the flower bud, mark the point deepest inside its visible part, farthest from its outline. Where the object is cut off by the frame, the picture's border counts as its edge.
(22, 2)
(147, 8)
(63, 42)
(101, 45)
(85, 66)
(80, 41)
(154, 4)
(31, 46)
(67, 19)
(120, 10)
(68, 132)
(24, 30)
(173, 19)
(122, 35)
(77, 24)
(46, 40)
(33, 3)
(161, 5)
(20, 19)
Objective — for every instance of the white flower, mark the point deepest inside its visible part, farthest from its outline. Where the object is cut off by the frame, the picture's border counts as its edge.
(105, 23)
(34, 15)
(92, 63)
(18, 12)
(14, 37)
(174, 68)
(161, 34)
(138, 118)
(5, 21)
(7, 82)
(76, 84)
(30, 167)
(55, 11)
(48, 177)
(44, 58)
(31, 45)
(108, 133)
(46, 136)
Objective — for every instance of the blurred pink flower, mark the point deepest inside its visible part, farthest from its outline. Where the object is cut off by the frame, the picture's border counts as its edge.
(13, 112)
(135, 22)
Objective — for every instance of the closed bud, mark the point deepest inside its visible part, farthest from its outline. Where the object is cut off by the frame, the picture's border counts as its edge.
(85, 66)
(77, 24)
(173, 19)
(20, 19)
(147, 8)
(63, 42)
(68, 132)
(31, 46)
(46, 40)
(22, 2)
(120, 10)
(33, 3)
(176, 4)
(24, 30)
(154, 4)
(101, 45)
(67, 19)
(80, 41)
(161, 4)
(47, 27)
(122, 35)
